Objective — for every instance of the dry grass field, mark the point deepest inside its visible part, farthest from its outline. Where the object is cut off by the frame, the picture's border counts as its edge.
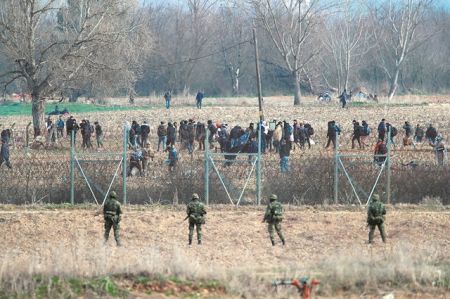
(328, 243)
(55, 252)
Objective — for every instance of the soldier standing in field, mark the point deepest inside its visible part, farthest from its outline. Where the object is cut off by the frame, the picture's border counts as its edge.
(112, 213)
(273, 217)
(196, 213)
(375, 217)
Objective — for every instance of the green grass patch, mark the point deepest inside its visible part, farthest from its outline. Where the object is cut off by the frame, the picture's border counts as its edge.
(14, 109)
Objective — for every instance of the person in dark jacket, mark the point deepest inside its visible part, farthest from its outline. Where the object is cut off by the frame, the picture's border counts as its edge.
(431, 133)
(171, 134)
(4, 153)
(357, 130)
(98, 134)
(198, 99)
(382, 129)
(332, 132)
(145, 132)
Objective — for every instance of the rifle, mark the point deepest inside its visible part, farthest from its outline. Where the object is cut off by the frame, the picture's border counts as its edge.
(184, 219)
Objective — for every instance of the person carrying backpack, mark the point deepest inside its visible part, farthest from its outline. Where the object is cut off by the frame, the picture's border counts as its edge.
(112, 214)
(375, 217)
(196, 214)
(332, 132)
(135, 160)
(365, 133)
(274, 217)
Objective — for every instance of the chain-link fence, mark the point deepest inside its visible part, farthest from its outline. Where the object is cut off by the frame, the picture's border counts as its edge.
(42, 173)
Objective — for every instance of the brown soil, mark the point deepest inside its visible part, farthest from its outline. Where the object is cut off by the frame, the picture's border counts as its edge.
(234, 240)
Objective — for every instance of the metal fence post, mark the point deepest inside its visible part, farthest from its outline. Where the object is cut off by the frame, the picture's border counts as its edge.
(124, 163)
(258, 167)
(207, 167)
(336, 170)
(72, 167)
(388, 179)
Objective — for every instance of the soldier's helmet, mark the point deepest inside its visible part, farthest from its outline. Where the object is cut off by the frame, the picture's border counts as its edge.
(375, 197)
(273, 197)
(113, 194)
(195, 196)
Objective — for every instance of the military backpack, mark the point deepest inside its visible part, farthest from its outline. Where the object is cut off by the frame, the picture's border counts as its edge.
(276, 210)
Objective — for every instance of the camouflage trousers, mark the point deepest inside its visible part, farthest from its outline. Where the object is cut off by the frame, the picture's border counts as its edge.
(372, 231)
(277, 226)
(116, 227)
(191, 231)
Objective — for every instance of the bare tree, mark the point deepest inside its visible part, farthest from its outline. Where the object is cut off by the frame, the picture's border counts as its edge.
(347, 39)
(233, 32)
(54, 46)
(398, 35)
(290, 24)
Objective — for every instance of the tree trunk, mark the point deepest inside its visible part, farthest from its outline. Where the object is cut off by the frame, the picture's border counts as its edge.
(37, 111)
(393, 87)
(298, 92)
(309, 81)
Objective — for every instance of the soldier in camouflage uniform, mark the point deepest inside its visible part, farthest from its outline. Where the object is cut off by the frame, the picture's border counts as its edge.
(273, 217)
(375, 217)
(195, 212)
(112, 213)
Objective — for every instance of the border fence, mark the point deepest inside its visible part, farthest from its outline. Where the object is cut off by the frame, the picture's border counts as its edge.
(342, 176)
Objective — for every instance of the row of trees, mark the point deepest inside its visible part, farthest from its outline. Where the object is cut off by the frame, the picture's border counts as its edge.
(117, 47)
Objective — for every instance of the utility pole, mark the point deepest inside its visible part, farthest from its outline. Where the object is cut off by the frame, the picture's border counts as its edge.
(258, 77)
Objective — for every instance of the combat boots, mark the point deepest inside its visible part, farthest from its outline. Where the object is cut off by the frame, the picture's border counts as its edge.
(284, 243)
(199, 242)
(190, 241)
(273, 242)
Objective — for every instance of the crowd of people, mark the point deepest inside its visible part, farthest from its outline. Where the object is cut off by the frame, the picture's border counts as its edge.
(280, 137)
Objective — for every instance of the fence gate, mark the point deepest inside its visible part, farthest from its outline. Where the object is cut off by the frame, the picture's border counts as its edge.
(230, 162)
(94, 165)
(359, 192)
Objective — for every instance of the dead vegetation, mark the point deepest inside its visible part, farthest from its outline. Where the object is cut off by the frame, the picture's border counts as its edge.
(326, 244)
